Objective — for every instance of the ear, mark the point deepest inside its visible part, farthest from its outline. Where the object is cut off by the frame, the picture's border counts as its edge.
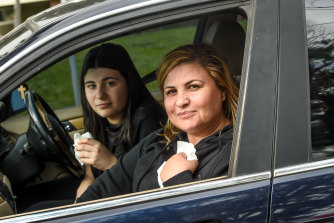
(223, 95)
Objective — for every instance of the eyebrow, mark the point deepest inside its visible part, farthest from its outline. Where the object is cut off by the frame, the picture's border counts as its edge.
(187, 83)
(104, 79)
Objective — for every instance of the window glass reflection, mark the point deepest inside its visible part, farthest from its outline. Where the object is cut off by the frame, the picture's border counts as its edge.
(320, 39)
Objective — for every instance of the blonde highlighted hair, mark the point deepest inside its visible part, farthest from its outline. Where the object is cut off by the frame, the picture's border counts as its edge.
(216, 66)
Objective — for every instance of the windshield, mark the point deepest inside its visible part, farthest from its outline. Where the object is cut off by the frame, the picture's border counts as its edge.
(50, 16)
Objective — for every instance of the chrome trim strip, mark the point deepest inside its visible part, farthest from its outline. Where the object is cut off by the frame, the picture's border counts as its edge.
(135, 199)
(74, 26)
(304, 167)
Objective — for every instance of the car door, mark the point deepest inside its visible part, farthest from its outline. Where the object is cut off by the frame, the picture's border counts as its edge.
(242, 196)
(304, 165)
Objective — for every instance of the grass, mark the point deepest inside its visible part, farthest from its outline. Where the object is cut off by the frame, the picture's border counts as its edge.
(145, 48)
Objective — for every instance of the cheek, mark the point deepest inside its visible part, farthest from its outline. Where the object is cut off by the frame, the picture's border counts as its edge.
(168, 104)
(210, 102)
(89, 98)
(121, 95)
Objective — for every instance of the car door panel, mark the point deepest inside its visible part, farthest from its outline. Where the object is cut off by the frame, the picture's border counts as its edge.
(240, 203)
(295, 196)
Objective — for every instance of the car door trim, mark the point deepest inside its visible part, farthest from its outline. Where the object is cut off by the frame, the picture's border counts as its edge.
(145, 196)
(304, 167)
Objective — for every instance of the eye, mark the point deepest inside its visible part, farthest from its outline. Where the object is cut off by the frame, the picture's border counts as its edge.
(170, 92)
(193, 86)
(90, 86)
(110, 83)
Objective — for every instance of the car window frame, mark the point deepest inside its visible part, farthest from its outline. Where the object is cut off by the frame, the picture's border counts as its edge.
(293, 132)
(295, 158)
(83, 42)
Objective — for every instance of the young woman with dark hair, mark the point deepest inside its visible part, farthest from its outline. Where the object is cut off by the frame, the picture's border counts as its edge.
(118, 109)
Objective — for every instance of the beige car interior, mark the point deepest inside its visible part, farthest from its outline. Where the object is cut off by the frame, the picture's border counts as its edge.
(228, 37)
(5, 207)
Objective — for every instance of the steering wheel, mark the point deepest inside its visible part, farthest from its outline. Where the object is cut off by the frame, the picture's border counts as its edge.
(47, 135)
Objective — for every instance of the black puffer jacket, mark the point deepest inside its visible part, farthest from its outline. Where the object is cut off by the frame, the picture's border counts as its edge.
(137, 170)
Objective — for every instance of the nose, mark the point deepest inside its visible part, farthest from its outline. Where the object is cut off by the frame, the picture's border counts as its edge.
(182, 100)
(100, 92)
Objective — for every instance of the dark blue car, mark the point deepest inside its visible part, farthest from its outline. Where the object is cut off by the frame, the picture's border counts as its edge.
(282, 52)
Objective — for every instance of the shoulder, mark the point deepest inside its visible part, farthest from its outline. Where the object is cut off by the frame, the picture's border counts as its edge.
(223, 138)
(148, 114)
(227, 132)
(142, 111)
(154, 136)
(148, 108)
(151, 141)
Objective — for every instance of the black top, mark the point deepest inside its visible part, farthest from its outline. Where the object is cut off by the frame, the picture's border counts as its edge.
(137, 170)
(143, 122)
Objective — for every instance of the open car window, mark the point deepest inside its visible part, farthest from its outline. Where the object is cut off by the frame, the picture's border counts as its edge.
(226, 29)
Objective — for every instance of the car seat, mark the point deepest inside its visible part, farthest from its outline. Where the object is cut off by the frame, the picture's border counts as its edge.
(228, 37)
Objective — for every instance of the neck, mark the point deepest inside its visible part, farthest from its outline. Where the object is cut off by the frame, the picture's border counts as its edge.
(196, 138)
(114, 121)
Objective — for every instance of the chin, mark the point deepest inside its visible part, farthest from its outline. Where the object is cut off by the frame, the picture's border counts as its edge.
(185, 125)
(104, 115)
(187, 129)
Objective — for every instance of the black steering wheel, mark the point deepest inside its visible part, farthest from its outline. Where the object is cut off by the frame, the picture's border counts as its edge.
(47, 135)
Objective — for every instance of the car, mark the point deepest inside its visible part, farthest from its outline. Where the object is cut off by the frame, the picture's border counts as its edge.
(282, 53)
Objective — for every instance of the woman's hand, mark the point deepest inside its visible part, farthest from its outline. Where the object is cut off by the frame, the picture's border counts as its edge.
(94, 153)
(177, 164)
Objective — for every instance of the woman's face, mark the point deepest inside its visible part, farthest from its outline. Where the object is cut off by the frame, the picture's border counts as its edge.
(106, 92)
(193, 101)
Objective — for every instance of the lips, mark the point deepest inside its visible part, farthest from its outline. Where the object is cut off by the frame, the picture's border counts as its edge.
(103, 105)
(185, 114)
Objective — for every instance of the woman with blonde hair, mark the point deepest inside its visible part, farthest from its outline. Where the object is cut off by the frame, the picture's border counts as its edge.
(200, 98)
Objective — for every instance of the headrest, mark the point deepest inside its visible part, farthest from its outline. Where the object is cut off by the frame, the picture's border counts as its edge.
(228, 37)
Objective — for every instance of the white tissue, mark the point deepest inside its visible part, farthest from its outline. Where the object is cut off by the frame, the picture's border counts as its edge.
(187, 148)
(159, 174)
(77, 136)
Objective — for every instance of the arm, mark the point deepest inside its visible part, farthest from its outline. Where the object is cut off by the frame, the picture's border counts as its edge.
(178, 170)
(119, 179)
(217, 155)
(86, 181)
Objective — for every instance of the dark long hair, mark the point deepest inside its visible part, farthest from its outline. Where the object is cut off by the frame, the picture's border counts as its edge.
(114, 57)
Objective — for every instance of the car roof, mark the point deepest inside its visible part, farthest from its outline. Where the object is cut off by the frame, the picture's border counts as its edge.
(46, 18)
(40, 23)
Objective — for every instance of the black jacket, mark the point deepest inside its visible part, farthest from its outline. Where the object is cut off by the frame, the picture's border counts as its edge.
(137, 170)
(144, 121)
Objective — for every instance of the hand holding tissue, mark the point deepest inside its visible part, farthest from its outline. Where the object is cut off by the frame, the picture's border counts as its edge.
(188, 149)
(77, 136)
(178, 163)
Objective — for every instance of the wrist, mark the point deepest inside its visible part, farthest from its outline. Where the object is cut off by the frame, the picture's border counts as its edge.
(113, 160)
